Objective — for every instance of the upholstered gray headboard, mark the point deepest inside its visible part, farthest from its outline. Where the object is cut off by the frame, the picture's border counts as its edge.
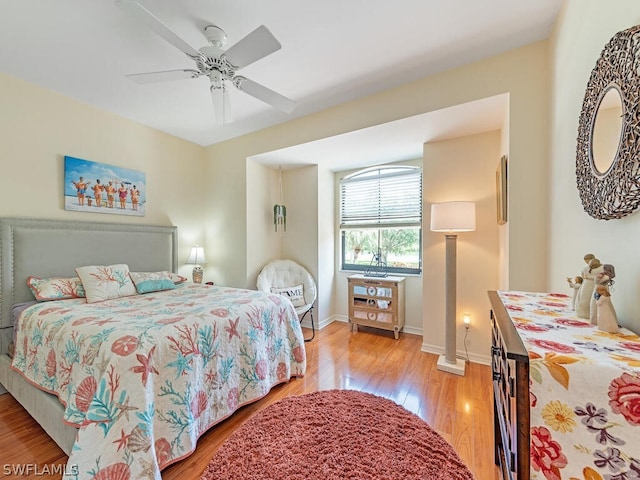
(48, 248)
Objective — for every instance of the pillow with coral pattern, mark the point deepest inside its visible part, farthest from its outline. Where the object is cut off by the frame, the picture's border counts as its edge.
(106, 282)
(55, 288)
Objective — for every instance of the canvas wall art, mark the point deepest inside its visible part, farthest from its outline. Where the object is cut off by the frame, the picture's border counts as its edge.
(100, 188)
(501, 191)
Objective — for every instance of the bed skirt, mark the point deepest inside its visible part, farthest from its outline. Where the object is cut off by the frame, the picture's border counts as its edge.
(45, 408)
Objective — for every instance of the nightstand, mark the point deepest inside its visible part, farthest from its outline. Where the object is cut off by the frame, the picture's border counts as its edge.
(376, 302)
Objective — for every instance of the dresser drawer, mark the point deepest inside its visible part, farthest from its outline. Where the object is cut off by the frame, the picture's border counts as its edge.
(373, 315)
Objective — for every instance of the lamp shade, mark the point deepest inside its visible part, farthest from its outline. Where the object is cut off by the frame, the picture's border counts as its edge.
(453, 217)
(196, 257)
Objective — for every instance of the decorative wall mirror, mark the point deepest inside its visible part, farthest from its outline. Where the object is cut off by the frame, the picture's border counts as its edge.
(607, 161)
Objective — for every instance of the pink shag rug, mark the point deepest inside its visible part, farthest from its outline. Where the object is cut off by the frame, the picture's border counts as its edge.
(336, 435)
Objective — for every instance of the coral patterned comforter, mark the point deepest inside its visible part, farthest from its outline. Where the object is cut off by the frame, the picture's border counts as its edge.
(144, 376)
(584, 391)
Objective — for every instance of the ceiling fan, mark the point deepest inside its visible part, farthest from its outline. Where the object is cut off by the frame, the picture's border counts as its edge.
(218, 65)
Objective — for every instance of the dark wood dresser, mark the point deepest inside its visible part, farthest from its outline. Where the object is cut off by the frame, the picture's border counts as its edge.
(566, 394)
(510, 370)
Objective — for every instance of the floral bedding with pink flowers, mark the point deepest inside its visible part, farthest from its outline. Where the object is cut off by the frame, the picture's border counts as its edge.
(584, 391)
(144, 376)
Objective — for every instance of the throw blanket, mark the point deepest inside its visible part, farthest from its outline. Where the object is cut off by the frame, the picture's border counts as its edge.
(144, 376)
(584, 389)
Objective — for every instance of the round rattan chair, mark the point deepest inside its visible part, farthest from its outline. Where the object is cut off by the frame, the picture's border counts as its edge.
(293, 281)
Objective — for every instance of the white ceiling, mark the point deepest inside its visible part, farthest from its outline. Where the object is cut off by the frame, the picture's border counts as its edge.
(332, 51)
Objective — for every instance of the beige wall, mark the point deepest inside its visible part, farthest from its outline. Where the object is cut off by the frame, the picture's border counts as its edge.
(300, 243)
(225, 218)
(39, 127)
(522, 73)
(583, 29)
(503, 230)
(326, 244)
(461, 169)
(263, 193)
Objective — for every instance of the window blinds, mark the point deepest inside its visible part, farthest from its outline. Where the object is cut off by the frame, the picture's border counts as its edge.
(384, 197)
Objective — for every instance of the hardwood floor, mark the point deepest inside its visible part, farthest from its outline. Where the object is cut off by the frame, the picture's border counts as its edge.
(459, 408)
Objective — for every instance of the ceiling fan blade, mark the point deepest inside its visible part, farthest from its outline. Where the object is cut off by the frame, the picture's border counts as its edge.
(253, 47)
(166, 76)
(260, 92)
(221, 106)
(154, 23)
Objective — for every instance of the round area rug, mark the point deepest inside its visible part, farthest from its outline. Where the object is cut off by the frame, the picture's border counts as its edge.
(336, 434)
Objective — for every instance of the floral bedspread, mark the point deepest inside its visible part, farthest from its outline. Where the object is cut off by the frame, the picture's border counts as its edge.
(144, 376)
(584, 391)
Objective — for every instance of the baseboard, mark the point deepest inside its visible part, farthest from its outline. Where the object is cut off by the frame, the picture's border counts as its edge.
(428, 348)
(345, 319)
(339, 318)
(439, 350)
(322, 323)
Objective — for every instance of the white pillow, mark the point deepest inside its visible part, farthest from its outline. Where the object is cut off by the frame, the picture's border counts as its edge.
(295, 294)
(175, 278)
(106, 282)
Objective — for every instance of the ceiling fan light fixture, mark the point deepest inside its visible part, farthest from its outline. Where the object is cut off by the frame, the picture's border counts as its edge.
(215, 35)
(221, 105)
(216, 79)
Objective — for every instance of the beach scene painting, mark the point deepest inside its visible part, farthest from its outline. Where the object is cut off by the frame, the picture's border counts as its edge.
(100, 188)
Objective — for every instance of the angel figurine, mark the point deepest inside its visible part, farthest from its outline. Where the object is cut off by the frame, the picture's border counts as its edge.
(574, 284)
(583, 299)
(607, 318)
(596, 273)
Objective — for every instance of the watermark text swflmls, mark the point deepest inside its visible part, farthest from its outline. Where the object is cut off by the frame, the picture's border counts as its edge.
(68, 472)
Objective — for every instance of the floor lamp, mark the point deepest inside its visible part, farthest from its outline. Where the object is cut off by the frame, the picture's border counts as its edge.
(452, 218)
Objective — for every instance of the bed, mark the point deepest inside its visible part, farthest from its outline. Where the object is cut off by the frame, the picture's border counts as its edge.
(137, 379)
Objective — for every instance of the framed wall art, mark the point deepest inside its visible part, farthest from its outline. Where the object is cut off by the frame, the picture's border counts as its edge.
(100, 188)
(501, 191)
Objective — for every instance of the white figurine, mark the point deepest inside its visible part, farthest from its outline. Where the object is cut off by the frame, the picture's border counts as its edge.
(583, 299)
(596, 273)
(574, 284)
(607, 318)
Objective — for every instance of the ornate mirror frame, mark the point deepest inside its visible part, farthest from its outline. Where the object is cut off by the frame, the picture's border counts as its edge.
(614, 193)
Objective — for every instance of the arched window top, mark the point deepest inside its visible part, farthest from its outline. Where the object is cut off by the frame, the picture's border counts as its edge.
(381, 196)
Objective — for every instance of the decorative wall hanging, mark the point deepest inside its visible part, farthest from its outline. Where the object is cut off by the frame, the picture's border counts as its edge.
(100, 188)
(279, 210)
(608, 180)
(501, 191)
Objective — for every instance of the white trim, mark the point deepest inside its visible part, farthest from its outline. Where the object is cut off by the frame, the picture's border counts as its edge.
(345, 319)
(439, 350)
(455, 368)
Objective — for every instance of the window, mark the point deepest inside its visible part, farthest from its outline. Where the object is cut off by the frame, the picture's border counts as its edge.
(381, 214)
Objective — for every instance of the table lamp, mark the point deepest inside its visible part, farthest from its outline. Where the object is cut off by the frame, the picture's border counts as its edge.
(196, 258)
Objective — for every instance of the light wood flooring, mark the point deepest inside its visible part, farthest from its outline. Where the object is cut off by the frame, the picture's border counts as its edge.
(459, 408)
